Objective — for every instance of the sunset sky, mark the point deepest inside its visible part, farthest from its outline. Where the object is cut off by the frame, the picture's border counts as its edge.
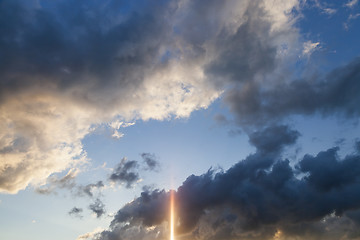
(248, 110)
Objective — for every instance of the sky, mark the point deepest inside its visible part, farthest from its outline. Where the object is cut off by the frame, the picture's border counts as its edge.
(247, 111)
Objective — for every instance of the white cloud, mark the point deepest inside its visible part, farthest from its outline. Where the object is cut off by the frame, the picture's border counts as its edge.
(117, 134)
(329, 11)
(354, 16)
(310, 47)
(351, 3)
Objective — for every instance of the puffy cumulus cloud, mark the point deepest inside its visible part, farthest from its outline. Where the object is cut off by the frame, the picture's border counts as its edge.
(260, 197)
(67, 67)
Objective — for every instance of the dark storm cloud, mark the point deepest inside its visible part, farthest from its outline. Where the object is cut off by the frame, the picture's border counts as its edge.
(126, 172)
(262, 195)
(150, 161)
(325, 167)
(76, 212)
(98, 208)
(334, 94)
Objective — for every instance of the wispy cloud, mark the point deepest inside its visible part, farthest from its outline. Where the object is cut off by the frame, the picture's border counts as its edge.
(76, 212)
(54, 182)
(351, 3)
(310, 47)
(150, 161)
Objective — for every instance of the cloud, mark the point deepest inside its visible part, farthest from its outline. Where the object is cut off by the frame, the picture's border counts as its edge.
(98, 208)
(65, 70)
(273, 139)
(76, 212)
(333, 94)
(151, 162)
(68, 182)
(116, 125)
(260, 197)
(310, 47)
(53, 182)
(89, 189)
(351, 3)
(90, 235)
(125, 173)
(325, 7)
(328, 162)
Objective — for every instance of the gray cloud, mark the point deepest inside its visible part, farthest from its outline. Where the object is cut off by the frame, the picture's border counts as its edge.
(126, 172)
(255, 55)
(89, 189)
(54, 182)
(357, 145)
(273, 139)
(333, 94)
(76, 212)
(98, 208)
(150, 161)
(68, 182)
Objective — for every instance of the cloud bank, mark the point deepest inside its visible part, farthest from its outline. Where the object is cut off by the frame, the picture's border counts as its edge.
(260, 197)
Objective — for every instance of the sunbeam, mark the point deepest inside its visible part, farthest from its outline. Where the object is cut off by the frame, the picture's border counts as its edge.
(172, 215)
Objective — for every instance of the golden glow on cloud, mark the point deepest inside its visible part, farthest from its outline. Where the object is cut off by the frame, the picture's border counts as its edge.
(278, 234)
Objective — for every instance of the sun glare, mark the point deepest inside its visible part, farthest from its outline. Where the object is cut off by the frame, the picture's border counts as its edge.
(172, 215)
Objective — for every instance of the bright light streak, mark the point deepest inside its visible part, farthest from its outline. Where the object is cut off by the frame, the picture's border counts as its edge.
(172, 215)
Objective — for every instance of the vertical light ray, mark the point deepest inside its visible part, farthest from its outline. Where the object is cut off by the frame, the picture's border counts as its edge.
(172, 215)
